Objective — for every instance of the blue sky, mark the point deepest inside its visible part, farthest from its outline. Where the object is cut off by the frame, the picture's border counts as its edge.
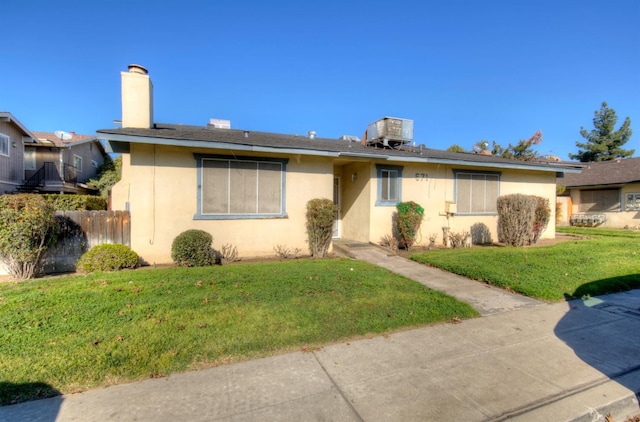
(464, 71)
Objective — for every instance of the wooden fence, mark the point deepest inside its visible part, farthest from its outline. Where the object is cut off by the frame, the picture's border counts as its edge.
(82, 230)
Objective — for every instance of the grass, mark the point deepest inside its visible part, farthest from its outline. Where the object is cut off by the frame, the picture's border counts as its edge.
(68, 334)
(602, 261)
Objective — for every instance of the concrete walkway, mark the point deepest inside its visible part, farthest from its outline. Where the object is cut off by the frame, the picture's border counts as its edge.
(523, 361)
(484, 298)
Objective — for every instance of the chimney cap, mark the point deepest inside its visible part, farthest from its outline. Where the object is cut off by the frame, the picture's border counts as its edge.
(136, 68)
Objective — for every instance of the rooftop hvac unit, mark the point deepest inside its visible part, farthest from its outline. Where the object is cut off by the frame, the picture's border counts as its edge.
(390, 132)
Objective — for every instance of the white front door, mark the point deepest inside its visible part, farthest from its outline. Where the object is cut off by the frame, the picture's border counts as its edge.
(336, 200)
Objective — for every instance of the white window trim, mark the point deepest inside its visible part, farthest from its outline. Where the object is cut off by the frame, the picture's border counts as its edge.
(4, 140)
(77, 157)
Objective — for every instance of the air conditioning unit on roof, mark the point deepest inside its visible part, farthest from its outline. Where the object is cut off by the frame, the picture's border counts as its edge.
(390, 132)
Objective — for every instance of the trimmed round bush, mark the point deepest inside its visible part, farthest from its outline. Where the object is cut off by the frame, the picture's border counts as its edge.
(107, 257)
(192, 248)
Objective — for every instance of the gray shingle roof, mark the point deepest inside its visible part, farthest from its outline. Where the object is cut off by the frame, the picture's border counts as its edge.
(614, 172)
(206, 137)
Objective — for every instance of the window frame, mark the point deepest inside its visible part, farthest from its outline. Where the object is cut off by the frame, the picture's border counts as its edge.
(496, 174)
(386, 202)
(614, 207)
(5, 140)
(77, 159)
(201, 158)
(634, 204)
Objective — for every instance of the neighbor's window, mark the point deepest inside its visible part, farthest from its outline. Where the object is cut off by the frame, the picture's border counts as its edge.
(77, 162)
(633, 202)
(389, 184)
(4, 145)
(599, 200)
(240, 187)
(477, 193)
(94, 164)
(29, 158)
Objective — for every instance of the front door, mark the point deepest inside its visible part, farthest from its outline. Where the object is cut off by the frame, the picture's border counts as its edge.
(336, 201)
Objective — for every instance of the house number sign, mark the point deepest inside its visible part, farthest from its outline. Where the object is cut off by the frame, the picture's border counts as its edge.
(421, 176)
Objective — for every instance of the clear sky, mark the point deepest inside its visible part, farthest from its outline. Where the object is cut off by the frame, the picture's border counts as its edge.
(462, 70)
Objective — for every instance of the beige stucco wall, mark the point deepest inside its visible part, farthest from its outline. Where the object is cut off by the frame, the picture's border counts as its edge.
(438, 188)
(617, 219)
(163, 202)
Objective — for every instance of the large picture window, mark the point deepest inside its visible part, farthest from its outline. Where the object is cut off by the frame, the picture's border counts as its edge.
(240, 187)
(599, 200)
(477, 193)
(4, 145)
(389, 184)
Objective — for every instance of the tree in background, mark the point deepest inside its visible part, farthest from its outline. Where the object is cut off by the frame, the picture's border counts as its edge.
(523, 150)
(604, 143)
(455, 148)
(108, 175)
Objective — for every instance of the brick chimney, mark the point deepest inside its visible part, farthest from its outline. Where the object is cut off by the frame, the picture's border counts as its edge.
(137, 98)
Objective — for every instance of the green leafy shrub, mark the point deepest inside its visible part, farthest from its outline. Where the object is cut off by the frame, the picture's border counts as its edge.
(516, 217)
(541, 219)
(192, 248)
(76, 202)
(107, 257)
(410, 216)
(27, 227)
(321, 213)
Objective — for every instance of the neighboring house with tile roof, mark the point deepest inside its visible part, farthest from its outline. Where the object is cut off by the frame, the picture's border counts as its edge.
(250, 189)
(13, 138)
(62, 162)
(605, 193)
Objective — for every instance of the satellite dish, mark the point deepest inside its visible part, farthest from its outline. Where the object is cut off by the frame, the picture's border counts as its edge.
(65, 136)
(477, 149)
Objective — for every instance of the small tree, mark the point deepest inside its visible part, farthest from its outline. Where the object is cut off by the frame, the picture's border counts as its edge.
(321, 214)
(28, 226)
(522, 151)
(108, 175)
(455, 148)
(409, 219)
(604, 143)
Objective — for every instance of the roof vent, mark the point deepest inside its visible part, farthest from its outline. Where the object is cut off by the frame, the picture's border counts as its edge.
(219, 124)
(312, 134)
(349, 138)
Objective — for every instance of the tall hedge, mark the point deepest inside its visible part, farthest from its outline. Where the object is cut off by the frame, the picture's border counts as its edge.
(28, 226)
(76, 202)
(321, 213)
(516, 216)
(410, 216)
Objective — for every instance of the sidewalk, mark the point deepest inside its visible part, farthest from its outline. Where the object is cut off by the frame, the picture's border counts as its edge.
(526, 361)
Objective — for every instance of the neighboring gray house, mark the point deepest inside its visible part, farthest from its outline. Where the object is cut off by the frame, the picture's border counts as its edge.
(62, 162)
(606, 193)
(13, 138)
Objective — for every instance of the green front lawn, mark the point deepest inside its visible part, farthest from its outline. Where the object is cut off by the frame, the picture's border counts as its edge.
(72, 333)
(602, 261)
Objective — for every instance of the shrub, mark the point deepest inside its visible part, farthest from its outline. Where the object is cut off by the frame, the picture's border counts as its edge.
(284, 252)
(516, 216)
(27, 227)
(76, 202)
(228, 254)
(107, 257)
(409, 219)
(388, 241)
(321, 214)
(192, 248)
(541, 219)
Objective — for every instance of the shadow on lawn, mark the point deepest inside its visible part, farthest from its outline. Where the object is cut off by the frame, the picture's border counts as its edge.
(15, 404)
(600, 329)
